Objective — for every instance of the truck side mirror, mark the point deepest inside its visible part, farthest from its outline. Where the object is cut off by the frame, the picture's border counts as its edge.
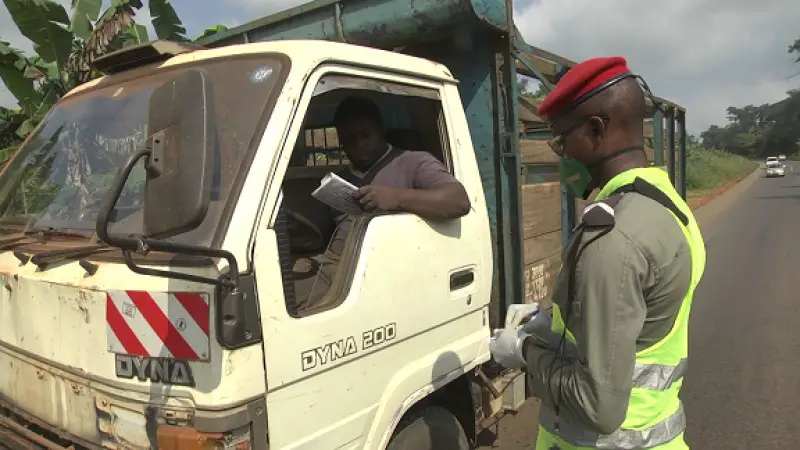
(180, 168)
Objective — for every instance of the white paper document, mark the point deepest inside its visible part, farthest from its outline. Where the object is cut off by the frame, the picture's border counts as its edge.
(337, 193)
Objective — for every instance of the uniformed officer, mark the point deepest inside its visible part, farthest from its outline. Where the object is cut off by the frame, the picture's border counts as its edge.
(608, 359)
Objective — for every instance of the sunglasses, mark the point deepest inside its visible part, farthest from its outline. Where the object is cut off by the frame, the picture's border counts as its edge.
(557, 143)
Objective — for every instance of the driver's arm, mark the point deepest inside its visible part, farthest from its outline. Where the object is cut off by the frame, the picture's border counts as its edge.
(436, 193)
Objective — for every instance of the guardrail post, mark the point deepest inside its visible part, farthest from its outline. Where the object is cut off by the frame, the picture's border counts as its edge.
(671, 144)
(658, 138)
(682, 144)
(568, 213)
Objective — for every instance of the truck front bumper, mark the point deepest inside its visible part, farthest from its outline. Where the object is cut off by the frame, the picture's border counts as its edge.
(55, 408)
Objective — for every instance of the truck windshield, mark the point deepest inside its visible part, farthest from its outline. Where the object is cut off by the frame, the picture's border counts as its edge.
(59, 178)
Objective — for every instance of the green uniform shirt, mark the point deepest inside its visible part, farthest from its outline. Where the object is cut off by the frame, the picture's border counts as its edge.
(630, 284)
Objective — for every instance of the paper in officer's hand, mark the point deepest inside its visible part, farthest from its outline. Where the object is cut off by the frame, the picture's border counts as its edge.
(337, 193)
(517, 314)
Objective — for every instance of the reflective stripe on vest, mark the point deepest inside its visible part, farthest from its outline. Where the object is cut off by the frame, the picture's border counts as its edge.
(655, 414)
(658, 377)
(655, 377)
(661, 433)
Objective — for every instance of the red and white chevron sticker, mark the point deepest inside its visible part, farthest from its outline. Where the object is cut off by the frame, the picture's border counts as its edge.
(158, 324)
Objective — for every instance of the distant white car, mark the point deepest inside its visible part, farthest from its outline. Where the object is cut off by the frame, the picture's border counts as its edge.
(781, 158)
(775, 168)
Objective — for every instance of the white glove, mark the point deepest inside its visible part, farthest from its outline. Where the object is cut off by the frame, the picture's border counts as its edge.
(520, 311)
(506, 343)
(506, 347)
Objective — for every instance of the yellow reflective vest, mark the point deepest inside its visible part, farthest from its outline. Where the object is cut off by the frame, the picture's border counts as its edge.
(655, 418)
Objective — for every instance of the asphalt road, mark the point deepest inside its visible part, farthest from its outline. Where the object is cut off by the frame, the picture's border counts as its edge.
(743, 386)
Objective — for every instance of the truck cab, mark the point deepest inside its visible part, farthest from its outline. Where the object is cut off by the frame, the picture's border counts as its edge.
(250, 122)
(158, 238)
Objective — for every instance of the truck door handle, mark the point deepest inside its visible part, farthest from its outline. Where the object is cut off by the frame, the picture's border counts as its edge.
(461, 279)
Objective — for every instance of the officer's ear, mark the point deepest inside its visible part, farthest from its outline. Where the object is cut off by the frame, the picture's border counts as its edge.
(597, 129)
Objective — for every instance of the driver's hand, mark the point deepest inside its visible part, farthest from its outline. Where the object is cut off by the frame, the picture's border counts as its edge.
(378, 198)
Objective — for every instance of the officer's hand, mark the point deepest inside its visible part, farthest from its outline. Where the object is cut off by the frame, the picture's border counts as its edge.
(540, 327)
(519, 313)
(506, 347)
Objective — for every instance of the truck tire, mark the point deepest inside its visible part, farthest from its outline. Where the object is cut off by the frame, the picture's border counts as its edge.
(431, 428)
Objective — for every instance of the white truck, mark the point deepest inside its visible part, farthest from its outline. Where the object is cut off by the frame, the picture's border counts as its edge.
(151, 270)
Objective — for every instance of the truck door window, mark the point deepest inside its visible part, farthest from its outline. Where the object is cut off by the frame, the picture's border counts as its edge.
(413, 120)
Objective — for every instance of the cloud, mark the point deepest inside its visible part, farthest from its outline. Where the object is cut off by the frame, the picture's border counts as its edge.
(703, 54)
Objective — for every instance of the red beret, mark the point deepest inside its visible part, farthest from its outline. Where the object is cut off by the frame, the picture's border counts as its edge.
(579, 80)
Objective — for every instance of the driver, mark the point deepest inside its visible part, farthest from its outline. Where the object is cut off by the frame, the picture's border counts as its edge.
(388, 178)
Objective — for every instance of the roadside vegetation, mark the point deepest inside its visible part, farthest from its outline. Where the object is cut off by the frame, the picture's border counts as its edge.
(708, 169)
(65, 45)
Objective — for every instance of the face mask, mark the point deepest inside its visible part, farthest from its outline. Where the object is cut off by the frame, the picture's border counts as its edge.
(575, 177)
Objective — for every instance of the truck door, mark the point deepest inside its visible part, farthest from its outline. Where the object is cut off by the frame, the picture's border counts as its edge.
(407, 307)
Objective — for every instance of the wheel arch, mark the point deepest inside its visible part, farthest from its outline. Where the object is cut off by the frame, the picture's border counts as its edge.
(460, 396)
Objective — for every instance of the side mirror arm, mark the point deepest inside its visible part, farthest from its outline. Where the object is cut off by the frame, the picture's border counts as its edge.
(143, 245)
(110, 201)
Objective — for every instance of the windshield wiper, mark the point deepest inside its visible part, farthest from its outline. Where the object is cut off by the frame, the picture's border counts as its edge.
(42, 259)
(18, 240)
(35, 236)
(15, 240)
(55, 232)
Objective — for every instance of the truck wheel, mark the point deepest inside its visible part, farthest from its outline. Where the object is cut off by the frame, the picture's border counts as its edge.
(431, 428)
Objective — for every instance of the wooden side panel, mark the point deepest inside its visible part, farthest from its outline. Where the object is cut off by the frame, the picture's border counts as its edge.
(541, 215)
(540, 277)
(542, 246)
(541, 209)
(536, 152)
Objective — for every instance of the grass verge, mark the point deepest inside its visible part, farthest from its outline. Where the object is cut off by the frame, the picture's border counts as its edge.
(710, 172)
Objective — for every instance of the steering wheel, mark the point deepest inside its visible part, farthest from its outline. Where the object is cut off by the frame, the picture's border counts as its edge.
(304, 242)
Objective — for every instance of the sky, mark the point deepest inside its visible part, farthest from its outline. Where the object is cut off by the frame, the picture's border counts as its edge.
(705, 55)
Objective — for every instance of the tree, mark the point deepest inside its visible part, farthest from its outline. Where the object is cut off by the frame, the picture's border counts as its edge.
(65, 48)
(758, 131)
(523, 87)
